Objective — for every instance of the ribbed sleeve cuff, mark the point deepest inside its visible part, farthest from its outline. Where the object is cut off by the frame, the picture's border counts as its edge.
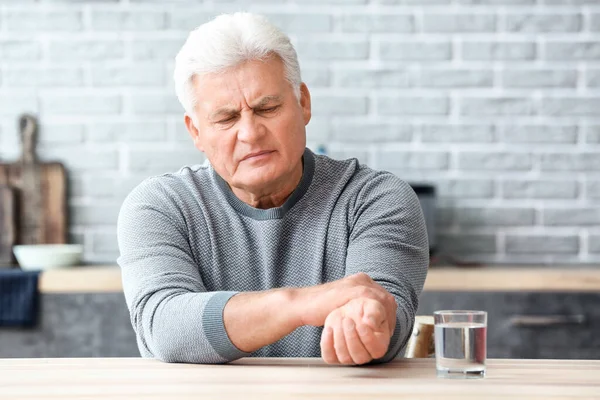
(214, 327)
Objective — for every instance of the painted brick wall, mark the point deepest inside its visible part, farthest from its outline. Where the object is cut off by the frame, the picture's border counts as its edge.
(497, 102)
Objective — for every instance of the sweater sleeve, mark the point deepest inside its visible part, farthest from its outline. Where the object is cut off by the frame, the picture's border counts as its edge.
(388, 241)
(173, 315)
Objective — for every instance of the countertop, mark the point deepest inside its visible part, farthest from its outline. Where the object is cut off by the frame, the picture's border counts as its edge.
(256, 378)
(514, 278)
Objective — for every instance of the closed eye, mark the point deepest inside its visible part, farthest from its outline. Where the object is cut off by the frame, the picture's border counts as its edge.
(227, 121)
(268, 110)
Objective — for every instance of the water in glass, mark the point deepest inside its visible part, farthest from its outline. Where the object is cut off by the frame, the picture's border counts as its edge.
(460, 349)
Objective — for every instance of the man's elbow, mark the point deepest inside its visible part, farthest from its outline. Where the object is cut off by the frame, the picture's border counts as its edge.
(168, 332)
(174, 347)
(168, 353)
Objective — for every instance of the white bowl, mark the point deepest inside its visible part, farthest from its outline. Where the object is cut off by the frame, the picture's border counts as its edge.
(47, 256)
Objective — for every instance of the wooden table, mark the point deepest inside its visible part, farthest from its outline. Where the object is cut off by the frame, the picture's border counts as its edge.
(136, 378)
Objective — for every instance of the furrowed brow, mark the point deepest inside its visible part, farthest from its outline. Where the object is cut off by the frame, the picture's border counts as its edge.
(266, 100)
(223, 112)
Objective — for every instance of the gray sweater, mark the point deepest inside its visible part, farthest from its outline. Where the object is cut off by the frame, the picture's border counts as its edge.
(188, 244)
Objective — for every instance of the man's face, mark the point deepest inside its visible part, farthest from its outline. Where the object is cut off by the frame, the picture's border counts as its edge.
(250, 110)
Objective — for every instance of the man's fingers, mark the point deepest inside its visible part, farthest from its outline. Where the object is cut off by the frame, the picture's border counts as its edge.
(327, 349)
(391, 323)
(371, 293)
(357, 351)
(339, 343)
(376, 343)
(357, 332)
(364, 287)
(393, 306)
(374, 314)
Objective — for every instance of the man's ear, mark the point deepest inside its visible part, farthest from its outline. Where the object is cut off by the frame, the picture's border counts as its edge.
(305, 103)
(193, 131)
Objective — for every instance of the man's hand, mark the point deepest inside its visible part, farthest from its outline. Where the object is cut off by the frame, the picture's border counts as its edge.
(357, 332)
(317, 302)
(358, 315)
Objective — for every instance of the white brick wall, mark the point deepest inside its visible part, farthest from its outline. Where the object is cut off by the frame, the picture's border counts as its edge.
(497, 102)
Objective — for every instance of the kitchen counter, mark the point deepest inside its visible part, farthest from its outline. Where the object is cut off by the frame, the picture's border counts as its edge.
(256, 378)
(526, 278)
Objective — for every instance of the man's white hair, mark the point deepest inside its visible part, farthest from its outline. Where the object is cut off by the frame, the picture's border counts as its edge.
(227, 41)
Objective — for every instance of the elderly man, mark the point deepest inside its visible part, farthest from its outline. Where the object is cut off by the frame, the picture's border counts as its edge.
(266, 249)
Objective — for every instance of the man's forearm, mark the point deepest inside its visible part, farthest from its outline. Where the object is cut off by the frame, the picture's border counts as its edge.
(256, 319)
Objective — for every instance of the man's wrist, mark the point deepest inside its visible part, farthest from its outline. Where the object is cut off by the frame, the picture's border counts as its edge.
(292, 300)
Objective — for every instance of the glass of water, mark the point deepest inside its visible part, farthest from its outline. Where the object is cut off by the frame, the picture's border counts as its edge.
(460, 343)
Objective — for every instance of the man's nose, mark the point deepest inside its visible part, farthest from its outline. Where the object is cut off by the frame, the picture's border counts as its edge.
(250, 129)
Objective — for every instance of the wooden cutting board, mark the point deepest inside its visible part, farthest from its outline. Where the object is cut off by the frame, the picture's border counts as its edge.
(8, 231)
(39, 189)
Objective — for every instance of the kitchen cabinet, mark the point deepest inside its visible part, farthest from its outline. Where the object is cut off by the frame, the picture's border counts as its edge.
(530, 324)
(74, 325)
